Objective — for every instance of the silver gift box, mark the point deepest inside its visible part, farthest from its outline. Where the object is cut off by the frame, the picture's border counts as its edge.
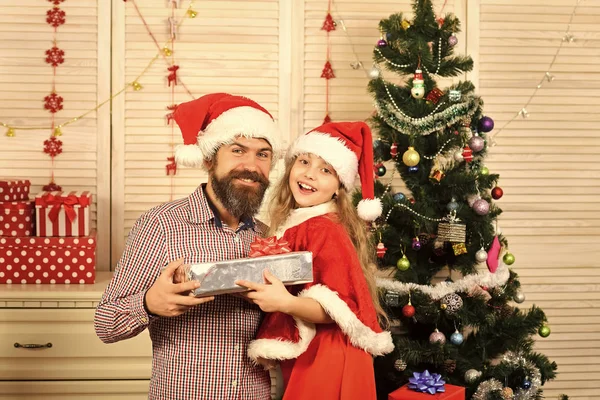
(218, 277)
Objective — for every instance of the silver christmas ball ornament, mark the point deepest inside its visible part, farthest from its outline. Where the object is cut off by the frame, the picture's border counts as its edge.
(374, 73)
(519, 297)
(481, 255)
(472, 375)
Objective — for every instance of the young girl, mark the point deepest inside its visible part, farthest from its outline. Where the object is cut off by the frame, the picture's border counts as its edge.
(325, 333)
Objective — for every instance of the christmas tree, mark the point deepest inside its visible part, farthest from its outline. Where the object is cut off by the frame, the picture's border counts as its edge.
(452, 296)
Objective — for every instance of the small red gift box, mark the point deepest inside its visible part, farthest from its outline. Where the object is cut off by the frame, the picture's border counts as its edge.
(14, 190)
(63, 214)
(452, 393)
(48, 260)
(16, 218)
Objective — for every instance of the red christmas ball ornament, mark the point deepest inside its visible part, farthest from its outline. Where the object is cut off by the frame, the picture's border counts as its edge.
(408, 310)
(497, 193)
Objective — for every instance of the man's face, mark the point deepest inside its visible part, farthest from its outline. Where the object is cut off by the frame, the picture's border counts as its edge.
(239, 175)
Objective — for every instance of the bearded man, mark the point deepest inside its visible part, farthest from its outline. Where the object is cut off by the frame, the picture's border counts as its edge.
(199, 344)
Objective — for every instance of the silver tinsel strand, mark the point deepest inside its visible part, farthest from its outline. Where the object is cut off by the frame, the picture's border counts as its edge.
(532, 371)
(431, 123)
(486, 388)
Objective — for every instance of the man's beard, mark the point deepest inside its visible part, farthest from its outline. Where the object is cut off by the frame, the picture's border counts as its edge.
(240, 200)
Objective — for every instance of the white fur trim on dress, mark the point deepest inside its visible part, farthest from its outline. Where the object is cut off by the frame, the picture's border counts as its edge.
(279, 349)
(465, 285)
(299, 215)
(330, 149)
(369, 209)
(239, 121)
(360, 335)
(189, 155)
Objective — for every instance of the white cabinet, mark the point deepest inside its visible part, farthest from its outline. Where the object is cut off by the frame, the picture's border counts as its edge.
(49, 350)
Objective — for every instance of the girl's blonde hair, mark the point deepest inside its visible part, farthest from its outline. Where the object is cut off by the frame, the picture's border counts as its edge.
(281, 205)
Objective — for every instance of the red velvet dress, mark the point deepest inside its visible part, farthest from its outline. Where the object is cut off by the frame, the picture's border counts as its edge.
(326, 361)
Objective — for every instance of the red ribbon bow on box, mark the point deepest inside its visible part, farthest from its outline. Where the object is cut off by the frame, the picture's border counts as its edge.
(68, 202)
(268, 247)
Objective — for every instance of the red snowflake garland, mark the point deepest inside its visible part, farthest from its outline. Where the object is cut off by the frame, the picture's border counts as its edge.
(56, 2)
(53, 103)
(55, 17)
(328, 24)
(55, 56)
(52, 146)
(327, 71)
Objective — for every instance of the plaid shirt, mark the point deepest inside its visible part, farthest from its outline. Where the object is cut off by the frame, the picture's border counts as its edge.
(202, 353)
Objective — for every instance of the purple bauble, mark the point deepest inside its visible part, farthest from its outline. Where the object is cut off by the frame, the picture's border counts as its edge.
(486, 124)
(381, 43)
(476, 144)
(452, 40)
(416, 245)
(481, 207)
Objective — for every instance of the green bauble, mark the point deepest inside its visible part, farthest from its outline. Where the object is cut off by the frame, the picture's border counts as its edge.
(403, 264)
(508, 259)
(544, 331)
(484, 171)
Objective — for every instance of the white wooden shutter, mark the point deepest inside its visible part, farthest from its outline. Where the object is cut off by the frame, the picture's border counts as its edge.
(83, 82)
(547, 165)
(230, 46)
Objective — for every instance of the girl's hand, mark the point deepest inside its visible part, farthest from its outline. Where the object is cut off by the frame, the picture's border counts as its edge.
(270, 297)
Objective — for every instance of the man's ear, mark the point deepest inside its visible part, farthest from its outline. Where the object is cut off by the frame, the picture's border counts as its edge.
(208, 163)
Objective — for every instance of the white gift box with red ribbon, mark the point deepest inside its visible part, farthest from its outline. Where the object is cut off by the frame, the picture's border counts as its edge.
(63, 214)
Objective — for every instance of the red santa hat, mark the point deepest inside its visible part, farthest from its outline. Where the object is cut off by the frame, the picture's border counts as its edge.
(216, 119)
(348, 147)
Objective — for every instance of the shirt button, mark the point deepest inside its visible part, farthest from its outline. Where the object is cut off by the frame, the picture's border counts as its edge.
(236, 238)
(144, 320)
(234, 383)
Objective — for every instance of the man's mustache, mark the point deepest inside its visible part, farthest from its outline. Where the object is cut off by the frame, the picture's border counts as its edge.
(251, 175)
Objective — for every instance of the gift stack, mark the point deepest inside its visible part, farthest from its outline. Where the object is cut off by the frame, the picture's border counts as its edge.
(63, 250)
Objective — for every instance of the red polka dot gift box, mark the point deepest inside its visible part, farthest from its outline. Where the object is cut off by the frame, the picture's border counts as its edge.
(14, 190)
(62, 213)
(17, 218)
(64, 260)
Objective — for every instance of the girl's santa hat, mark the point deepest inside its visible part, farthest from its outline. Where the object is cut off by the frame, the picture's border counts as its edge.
(348, 147)
(216, 119)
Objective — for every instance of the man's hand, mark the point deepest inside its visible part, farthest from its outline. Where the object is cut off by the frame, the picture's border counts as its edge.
(168, 299)
(270, 297)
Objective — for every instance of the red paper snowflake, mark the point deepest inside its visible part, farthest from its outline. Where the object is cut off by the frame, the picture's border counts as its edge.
(55, 56)
(327, 71)
(55, 17)
(52, 147)
(53, 103)
(328, 24)
(56, 2)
